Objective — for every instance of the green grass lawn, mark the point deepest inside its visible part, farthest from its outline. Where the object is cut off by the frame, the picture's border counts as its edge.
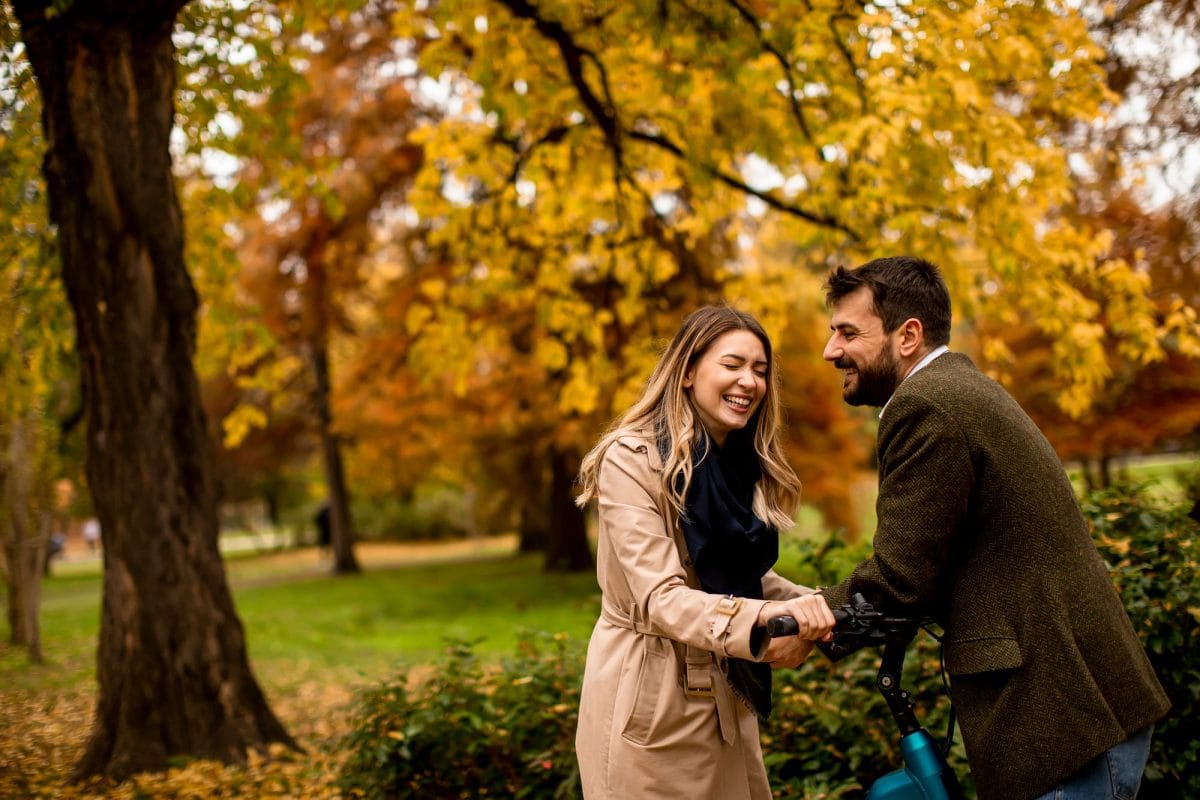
(402, 617)
(1162, 472)
(301, 625)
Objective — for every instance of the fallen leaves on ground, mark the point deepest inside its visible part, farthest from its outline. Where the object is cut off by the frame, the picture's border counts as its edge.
(43, 735)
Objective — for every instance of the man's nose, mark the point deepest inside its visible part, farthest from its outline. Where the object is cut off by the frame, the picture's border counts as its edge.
(833, 350)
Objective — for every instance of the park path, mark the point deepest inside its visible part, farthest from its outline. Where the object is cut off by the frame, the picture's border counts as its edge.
(249, 568)
(269, 568)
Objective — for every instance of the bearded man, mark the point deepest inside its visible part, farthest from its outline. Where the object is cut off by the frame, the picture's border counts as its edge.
(979, 529)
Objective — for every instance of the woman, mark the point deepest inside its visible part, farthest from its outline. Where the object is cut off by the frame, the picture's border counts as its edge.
(692, 488)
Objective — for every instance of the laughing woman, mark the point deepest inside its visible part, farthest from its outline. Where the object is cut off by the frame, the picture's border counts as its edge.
(692, 489)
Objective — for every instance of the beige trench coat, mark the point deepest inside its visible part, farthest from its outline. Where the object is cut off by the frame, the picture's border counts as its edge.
(643, 733)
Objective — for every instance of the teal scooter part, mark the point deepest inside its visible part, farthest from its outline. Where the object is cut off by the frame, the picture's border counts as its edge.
(926, 775)
(921, 778)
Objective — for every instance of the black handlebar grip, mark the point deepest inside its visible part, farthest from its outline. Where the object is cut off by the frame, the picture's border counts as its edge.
(786, 626)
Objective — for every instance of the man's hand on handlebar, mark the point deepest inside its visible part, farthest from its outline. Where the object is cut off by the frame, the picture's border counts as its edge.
(787, 651)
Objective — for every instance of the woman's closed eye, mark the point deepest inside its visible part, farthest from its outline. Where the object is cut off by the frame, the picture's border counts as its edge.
(759, 371)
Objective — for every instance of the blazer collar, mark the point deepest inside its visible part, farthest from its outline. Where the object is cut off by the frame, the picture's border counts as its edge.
(920, 365)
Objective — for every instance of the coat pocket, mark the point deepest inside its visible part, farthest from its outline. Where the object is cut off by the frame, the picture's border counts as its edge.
(648, 688)
(986, 654)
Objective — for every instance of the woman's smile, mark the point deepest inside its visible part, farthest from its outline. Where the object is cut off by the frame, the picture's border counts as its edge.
(739, 403)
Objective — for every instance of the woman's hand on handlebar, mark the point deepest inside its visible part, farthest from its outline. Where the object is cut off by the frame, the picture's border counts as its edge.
(813, 617)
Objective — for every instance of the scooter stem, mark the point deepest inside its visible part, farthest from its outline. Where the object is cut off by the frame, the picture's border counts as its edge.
(891, 669)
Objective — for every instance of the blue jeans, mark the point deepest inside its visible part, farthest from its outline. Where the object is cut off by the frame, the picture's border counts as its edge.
(1112, 775)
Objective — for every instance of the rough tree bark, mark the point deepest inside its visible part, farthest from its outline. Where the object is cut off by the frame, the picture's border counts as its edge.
(172, 668)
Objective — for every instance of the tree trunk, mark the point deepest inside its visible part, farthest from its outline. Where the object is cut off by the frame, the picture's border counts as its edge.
(1105, 472)
(24, 543)
(341, 529)
(535, 534)
(533, 519)
(37, 564)
(1091, 481)
(567, 550)
(172, 668)
(317, 323)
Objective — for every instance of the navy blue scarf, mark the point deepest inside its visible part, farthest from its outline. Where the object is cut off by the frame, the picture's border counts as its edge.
(731, 549)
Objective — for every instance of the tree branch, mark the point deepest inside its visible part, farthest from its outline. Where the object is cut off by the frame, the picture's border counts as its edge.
(551, 136)
(849, 58)
(573, 56)
(735, 182)
(144, 15)
(754, 22)
(605, 115)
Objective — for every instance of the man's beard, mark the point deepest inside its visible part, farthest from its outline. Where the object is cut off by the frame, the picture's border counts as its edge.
(875, 381)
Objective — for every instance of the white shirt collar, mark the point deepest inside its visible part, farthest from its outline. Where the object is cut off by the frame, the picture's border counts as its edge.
(924, 362)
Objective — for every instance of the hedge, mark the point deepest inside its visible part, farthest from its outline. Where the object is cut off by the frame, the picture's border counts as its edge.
(474, 731)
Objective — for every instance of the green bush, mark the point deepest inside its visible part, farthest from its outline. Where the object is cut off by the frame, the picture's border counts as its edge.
(1188, 478)
(812, 562)
(432, 512)
(1152, 554)
(473, 731)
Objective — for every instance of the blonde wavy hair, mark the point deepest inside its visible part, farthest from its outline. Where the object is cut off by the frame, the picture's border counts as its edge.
(666, 411)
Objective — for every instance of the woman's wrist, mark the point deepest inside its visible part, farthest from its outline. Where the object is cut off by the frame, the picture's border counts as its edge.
(771, 608)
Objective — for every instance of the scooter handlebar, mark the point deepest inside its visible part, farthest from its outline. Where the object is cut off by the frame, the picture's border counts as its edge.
(857, 624)
(787, 626)
(782, 626)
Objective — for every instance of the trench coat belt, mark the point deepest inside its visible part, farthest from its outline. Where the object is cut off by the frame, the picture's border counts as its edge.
(632, 622)
(696, 674)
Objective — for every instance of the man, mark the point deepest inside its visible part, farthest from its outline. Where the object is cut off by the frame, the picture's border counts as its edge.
(978, 528)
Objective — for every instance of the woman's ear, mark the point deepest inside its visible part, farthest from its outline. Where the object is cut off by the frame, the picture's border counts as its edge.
(689, 377)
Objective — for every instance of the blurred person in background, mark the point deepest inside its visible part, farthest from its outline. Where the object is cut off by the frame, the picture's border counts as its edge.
(91, 533)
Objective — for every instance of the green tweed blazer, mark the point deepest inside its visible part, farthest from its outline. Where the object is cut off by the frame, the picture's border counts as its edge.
(978, 527)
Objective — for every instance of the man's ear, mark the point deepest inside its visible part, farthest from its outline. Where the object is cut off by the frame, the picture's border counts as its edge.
(911, 338)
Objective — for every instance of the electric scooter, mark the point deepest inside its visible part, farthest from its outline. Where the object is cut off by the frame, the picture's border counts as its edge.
(925, 774)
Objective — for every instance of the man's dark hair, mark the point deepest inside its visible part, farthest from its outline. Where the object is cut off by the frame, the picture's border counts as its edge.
(902, 287)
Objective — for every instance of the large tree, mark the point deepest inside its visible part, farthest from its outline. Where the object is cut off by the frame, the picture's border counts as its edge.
(306, 262)
(1139, 185)
(172, 668)
(1145, 405)
(608, 166)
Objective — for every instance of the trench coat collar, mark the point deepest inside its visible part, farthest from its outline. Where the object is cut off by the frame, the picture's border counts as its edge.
(641, 441)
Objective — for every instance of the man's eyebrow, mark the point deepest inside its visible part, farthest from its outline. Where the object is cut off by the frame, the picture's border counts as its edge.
(842, 326)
